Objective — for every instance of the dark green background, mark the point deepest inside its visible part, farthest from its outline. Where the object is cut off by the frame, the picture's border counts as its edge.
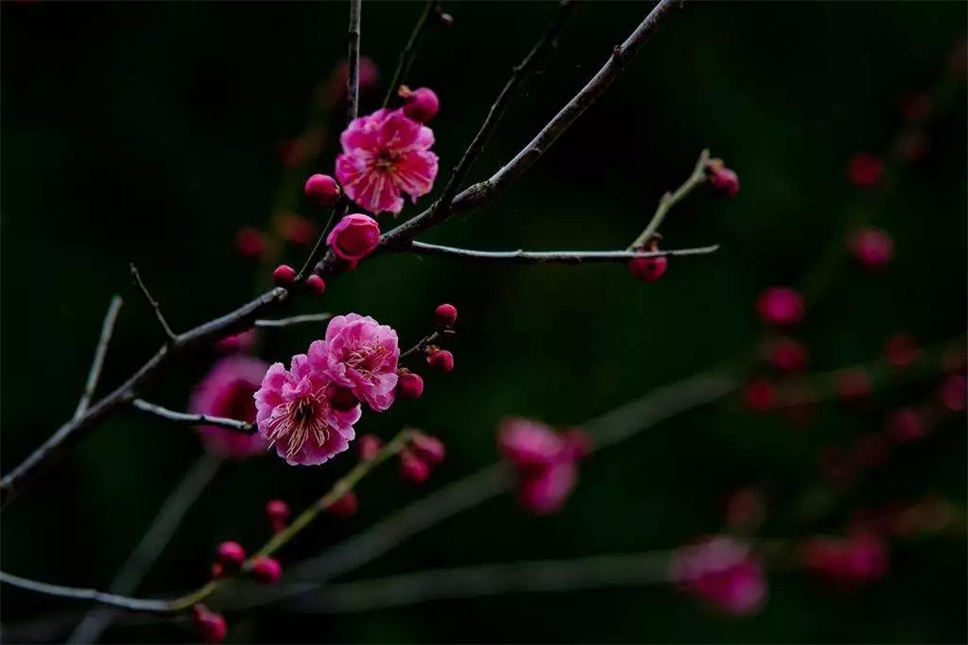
(148, 132)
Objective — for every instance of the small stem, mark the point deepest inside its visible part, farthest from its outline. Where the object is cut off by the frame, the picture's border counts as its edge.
(519, 73)
(194, 419)
(339, 489)
(668, 200)
(107, 328)
(294, 320)
(550, 257)
(423, 344)
(410, 50)
(134, 604)
(334, 216)
(353, 79)
(172, 337)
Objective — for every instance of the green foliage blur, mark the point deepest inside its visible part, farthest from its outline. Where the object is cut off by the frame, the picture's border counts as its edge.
(150, 133)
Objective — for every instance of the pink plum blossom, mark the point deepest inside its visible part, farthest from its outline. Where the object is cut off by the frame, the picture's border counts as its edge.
(360, 354)
(723, 572)
(354, 237)
(545, 462)
(386, 154)
(226, 391)
(295, 415)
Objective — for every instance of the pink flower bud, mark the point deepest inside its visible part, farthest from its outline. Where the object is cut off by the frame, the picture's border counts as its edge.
(343, 399)
(413, 469)
(283, 275)
(441, 360)
(237, 342)
(852, 385)
(725, 181)
(345, 506)
(780, 306)
(217, 571)
(316, 284)
(788, 355)
(445, 316)
(901, 350)
(872, 248)
(250, 242)
(355, 237)
(410, 385)
(952, 393)
(277, 511)
(209, 626)
(369, 445)
(864, 170)
(430, 449)
(648, 269)
(321, 190)
(266, 570)
(421, 104)
(759, 396)
(906, 425)
(231, 554)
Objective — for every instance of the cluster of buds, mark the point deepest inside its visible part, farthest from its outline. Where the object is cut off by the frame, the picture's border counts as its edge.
(231, 559)
(420, 455)
(410, 385)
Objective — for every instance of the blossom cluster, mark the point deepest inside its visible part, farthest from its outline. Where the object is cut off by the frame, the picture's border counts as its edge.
(307, 412)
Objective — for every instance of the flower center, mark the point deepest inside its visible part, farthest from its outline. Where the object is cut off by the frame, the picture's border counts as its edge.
(387, 160)
(296, 422)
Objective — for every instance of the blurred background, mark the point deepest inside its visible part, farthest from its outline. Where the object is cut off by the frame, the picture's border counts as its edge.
(156, 133)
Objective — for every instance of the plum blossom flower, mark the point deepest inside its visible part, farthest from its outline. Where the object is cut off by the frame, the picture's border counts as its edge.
(386, 154)
(544, 461)
(354, 237)
(226, 391)
(294, 414)
(723, 572)
(360, 354)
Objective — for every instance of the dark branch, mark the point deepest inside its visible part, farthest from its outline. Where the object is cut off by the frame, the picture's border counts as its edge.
(294, 320)
(194, 419)
(518, 76)
(172, 336)
(550, 257)
(133, 604)
(483, 192)
(410, 50)
(107, 328)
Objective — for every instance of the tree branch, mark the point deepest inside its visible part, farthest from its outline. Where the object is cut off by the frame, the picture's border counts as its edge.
(550, 257)
(172, 336)
(193, 419)
(133, 604)
(150, 547)
(409, 51)
(483, 192)
(107, 328)
(669, 200)
(294, 320)
(488, 580)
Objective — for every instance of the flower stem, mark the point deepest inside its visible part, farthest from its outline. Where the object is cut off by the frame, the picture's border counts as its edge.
(669, 200)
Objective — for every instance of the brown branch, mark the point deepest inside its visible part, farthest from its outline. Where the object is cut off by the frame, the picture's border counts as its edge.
(409, 51)
(107, 328)
(172, 336)
(483, 192)
(193, 419)
(550, 257)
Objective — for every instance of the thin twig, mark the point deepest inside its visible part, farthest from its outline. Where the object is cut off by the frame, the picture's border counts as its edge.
(342, 486)
(194, 419)
(483, 192)
(133, 604)
(107, 328)
(150, 547)
(410, 50)
(611, 428)
(294, 320)
(551, 257)
(669, 200)
(421, 345)
(488, 580)
(172, 336)
(518, 75)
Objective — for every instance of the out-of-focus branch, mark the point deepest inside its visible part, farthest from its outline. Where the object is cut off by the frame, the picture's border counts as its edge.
(193, 419)
(550, 257)
(107, 328)
(150, 547)
(487, 580)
